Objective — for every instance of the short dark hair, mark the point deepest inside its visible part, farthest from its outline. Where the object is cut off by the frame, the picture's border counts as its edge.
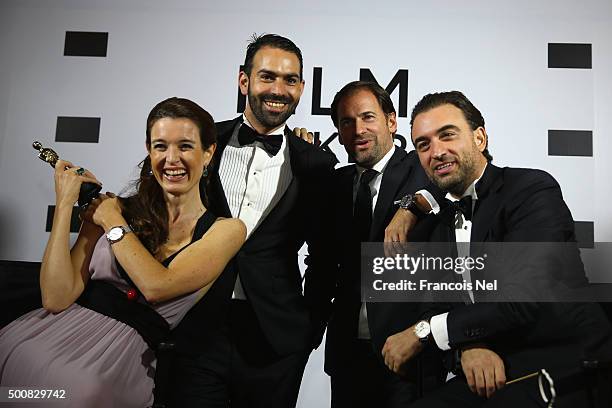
(384, 100)
(459, 100)
(273, 41)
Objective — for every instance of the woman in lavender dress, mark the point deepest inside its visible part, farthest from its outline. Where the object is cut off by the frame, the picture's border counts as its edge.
(164, 257)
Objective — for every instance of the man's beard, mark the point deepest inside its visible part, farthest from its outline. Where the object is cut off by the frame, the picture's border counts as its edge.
(458, 182)
(369, 158)
(267, 119)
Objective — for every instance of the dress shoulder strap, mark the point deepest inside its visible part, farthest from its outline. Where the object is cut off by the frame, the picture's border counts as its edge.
(204, 223)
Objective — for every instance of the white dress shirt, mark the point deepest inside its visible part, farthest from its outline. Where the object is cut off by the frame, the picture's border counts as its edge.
(363, 331)
(463, 232)
(253, 181)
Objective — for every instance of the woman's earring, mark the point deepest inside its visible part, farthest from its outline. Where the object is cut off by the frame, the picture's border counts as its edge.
(205, 172)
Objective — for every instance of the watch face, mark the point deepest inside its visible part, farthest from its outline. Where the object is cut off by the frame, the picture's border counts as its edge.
(407, 201)
(115, 233)
(422, 329)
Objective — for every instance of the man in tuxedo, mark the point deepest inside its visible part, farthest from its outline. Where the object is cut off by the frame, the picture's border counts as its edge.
(496, 342)
(248, 340)
(367, 196)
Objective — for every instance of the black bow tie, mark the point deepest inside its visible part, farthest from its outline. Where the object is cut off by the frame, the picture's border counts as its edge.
(271, 143)
(464, 205)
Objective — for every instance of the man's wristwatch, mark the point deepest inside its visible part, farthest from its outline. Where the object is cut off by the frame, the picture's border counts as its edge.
(409, 202)
(422, 330)
(116, 234)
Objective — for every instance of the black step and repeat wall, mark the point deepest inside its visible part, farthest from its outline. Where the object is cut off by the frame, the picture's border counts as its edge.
(81, 76)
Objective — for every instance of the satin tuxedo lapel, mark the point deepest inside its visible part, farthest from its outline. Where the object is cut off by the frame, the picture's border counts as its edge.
(289, 196)
(487, 205)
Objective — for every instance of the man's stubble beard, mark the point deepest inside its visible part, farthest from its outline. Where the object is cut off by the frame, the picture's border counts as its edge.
(457, 183)
(374, 155)
(370, 157)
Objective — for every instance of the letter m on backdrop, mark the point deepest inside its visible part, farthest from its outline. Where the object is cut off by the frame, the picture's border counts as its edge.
(400, 79)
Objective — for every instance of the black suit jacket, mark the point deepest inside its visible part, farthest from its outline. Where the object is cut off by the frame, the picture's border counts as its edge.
(525, 205)
(267, 263)
(402, 175)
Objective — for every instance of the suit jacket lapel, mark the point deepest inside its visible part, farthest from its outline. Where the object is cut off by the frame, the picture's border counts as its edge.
(295, 152)
(391, 182)
(487, 204)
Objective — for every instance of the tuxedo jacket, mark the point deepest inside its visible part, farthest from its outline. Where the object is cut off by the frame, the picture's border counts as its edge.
(525, 205)
(402, 175)
(267, 263)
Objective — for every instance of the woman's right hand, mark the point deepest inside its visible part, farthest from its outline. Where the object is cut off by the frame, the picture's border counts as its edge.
(68, 182)
(104, 211)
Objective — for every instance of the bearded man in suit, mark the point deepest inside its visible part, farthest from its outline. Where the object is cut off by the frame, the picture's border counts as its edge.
(495, 341)
(247, 342)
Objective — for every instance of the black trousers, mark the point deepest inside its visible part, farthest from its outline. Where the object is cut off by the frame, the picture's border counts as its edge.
(367, 383)
(238, 368)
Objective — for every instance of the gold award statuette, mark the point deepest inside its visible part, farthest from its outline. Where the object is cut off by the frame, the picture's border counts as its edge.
(46, 154)
(88, 192)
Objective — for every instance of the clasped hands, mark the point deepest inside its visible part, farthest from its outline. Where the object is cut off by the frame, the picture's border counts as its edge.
(102, 211)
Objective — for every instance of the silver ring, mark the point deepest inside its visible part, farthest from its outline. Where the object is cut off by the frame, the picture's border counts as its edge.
(80, 171)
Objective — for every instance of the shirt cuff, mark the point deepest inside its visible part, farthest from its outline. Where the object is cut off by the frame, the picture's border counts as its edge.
(435, 208)
(439, 331)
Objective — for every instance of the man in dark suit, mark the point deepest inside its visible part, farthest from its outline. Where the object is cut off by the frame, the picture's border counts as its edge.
(251, 351)
(496, 342)
(367, 196)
